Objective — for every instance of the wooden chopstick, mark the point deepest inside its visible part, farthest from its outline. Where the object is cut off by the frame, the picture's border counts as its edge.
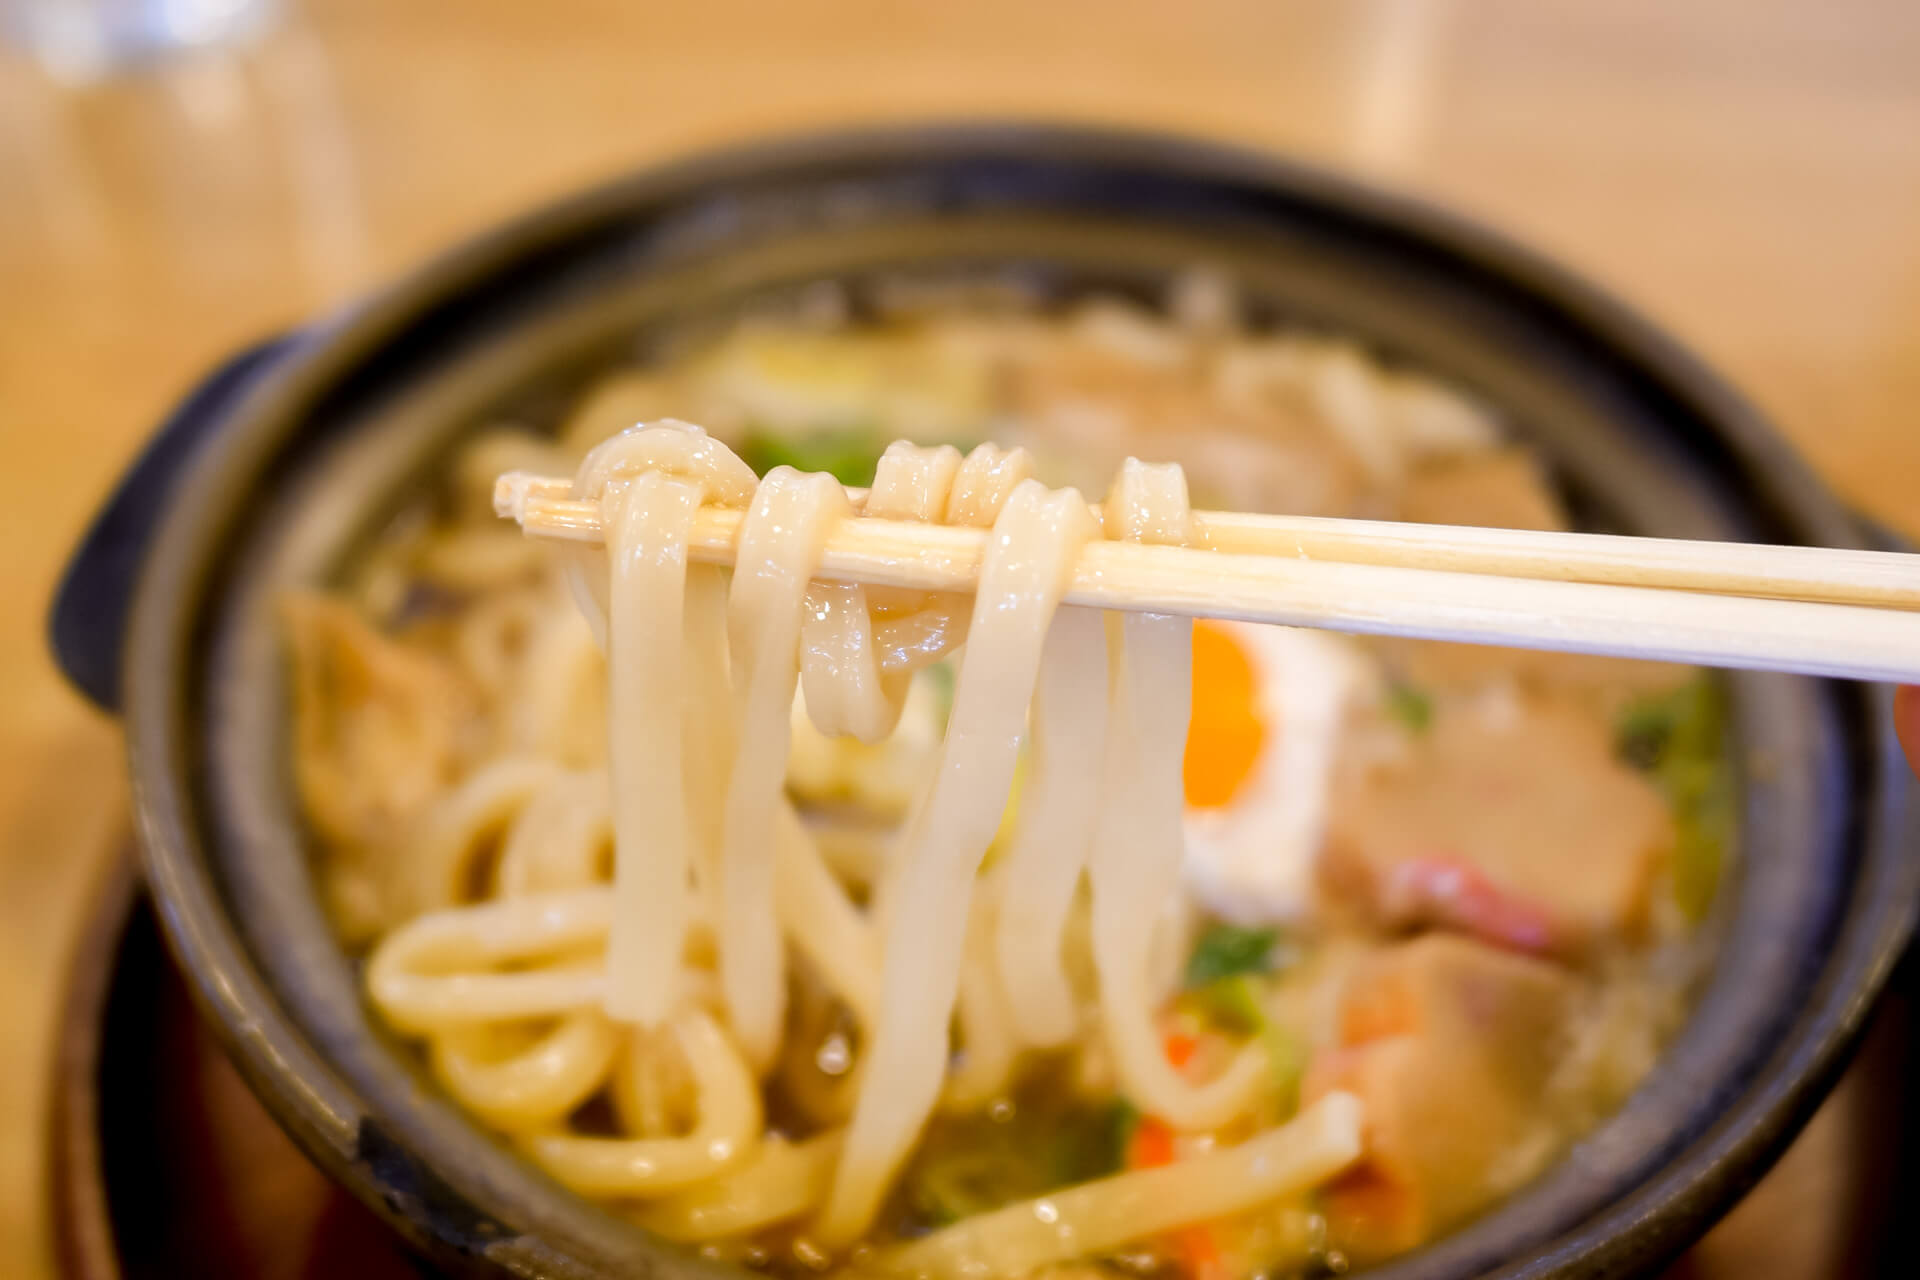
(1772, 608)
(1826, 574)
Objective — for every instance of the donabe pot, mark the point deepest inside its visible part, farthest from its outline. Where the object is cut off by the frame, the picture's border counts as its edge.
(284, 463)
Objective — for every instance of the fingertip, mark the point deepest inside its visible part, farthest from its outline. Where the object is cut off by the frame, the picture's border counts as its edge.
(1906, 722)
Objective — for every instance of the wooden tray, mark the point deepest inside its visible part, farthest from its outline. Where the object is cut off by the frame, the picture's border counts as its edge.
(165, 1165)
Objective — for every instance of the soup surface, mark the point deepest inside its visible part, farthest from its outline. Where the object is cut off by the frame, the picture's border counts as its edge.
(1460, 884)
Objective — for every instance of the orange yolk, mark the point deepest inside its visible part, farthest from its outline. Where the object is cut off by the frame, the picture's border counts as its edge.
(1225, 736)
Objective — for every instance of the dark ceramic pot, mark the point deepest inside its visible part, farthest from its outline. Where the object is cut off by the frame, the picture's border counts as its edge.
(281, 465)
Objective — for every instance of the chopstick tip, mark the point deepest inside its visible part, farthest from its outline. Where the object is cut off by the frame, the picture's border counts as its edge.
(510, 494)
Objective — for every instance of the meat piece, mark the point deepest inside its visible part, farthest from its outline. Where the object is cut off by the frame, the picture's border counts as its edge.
(1504, 489)
(1606, 683)
(1117, 384)
(1450, 1045)
(1521, 828)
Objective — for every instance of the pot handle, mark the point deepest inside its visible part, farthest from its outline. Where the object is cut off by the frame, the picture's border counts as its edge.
(88, 621)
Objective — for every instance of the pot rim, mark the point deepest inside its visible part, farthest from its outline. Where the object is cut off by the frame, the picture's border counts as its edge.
(310, 1098)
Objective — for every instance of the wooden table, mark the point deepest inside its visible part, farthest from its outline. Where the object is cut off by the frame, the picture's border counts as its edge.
(1746, 171)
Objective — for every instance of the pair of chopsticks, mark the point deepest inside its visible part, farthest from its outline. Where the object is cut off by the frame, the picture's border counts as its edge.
(1811, 610)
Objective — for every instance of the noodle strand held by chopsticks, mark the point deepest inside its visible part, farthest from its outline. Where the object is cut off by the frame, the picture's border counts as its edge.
(822, 923)
(855, 670)
(1138, 843)
(990, 1045)
(652, 827)
(1055, 828)
(707, 728)
(650, 483)
(786, 529)
(1036, 539)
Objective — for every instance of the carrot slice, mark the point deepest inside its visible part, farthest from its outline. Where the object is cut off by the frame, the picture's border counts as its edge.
(1200, 1254)
(1197, 1248)
(1151, 1144)
(1180, 1047)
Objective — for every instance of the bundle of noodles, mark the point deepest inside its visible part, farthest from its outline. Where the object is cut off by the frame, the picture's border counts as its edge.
(666, 991)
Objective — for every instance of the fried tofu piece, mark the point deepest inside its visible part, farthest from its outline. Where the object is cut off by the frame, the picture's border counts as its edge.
(377, 723)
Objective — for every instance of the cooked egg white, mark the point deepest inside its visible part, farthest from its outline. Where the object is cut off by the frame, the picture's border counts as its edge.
(1269, 708)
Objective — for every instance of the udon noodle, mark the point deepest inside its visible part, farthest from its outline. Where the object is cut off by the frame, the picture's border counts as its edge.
(678, 970)
(686, 885)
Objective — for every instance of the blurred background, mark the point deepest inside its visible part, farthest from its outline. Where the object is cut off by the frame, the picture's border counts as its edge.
(1747, 172)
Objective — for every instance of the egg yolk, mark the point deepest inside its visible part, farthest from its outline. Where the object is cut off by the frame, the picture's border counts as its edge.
(1225, 736)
